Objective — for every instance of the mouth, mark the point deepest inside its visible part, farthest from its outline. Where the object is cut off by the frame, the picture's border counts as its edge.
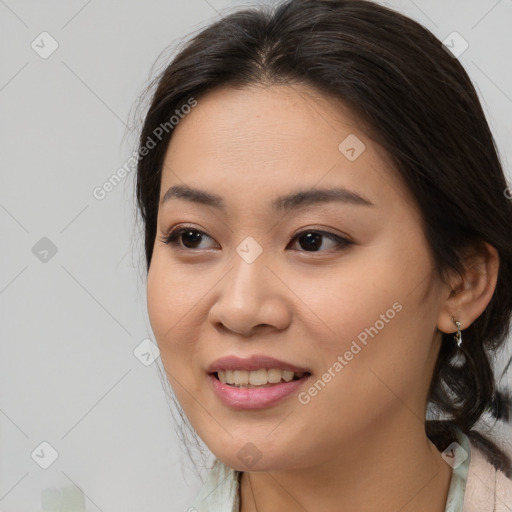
(255, 382)
(262, 378)
(256, 389)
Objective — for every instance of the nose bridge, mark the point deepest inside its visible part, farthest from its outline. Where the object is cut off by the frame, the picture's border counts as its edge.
(248, 276)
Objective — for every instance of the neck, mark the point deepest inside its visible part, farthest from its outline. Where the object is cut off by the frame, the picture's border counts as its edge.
(385, 469)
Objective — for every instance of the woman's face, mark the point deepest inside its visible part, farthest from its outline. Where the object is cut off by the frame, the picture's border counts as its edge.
(336, 284)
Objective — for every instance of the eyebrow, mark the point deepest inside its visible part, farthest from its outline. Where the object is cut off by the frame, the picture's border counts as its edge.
(285, 203)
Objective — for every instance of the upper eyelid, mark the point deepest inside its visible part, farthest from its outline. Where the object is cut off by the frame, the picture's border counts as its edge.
(326, 231)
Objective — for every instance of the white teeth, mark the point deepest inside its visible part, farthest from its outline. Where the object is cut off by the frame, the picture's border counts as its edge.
(287, 375)
(274, 375)
(241, 377)
(260, 377)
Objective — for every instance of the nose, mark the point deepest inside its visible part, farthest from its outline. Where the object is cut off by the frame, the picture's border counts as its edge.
(250, 298)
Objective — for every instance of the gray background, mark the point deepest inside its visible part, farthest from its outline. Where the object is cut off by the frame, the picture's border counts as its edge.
(71, 321)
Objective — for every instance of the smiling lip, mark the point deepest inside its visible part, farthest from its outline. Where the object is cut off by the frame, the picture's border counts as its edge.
(251, 364)
(257, 397)
(254, 398)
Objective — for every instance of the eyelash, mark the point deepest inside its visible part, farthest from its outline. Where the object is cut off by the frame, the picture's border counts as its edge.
(172, 239)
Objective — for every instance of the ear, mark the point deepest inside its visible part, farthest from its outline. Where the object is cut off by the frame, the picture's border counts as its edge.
(469, 294)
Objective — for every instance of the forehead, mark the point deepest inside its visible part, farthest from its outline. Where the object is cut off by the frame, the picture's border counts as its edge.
(265, 141)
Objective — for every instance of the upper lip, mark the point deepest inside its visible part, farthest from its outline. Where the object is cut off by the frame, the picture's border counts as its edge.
(255, 362)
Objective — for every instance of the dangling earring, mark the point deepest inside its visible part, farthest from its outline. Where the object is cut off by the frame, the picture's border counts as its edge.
(458, 336)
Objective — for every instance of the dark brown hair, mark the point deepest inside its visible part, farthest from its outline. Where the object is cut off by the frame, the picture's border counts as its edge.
(421, 106)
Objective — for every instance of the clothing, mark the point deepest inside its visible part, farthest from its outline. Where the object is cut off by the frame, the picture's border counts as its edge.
(475, 486)
(487, 490)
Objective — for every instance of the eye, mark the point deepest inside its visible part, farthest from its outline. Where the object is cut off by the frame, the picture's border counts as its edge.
(311, 240)
(190, 236)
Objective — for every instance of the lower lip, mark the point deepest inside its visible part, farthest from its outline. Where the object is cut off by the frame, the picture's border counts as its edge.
(254, 398)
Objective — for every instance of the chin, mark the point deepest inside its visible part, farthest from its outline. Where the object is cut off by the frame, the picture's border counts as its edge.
(251, 458)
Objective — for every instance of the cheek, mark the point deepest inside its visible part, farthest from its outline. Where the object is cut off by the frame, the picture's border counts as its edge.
(172, 298)
(373, 309)
(173, 307)
(342, 303)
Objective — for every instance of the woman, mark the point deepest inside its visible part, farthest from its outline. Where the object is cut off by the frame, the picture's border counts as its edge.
(327, 235)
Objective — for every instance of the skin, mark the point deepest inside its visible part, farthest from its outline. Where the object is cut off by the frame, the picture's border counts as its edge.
(360, 443)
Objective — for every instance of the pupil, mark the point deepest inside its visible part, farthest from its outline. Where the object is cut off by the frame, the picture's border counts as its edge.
(196, 238)
(312, 240)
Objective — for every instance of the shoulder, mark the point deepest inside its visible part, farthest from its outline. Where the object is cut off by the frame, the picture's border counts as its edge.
(487, 489)
(220, 491)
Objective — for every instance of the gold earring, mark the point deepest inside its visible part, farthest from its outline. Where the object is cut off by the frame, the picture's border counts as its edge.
(458, 336)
